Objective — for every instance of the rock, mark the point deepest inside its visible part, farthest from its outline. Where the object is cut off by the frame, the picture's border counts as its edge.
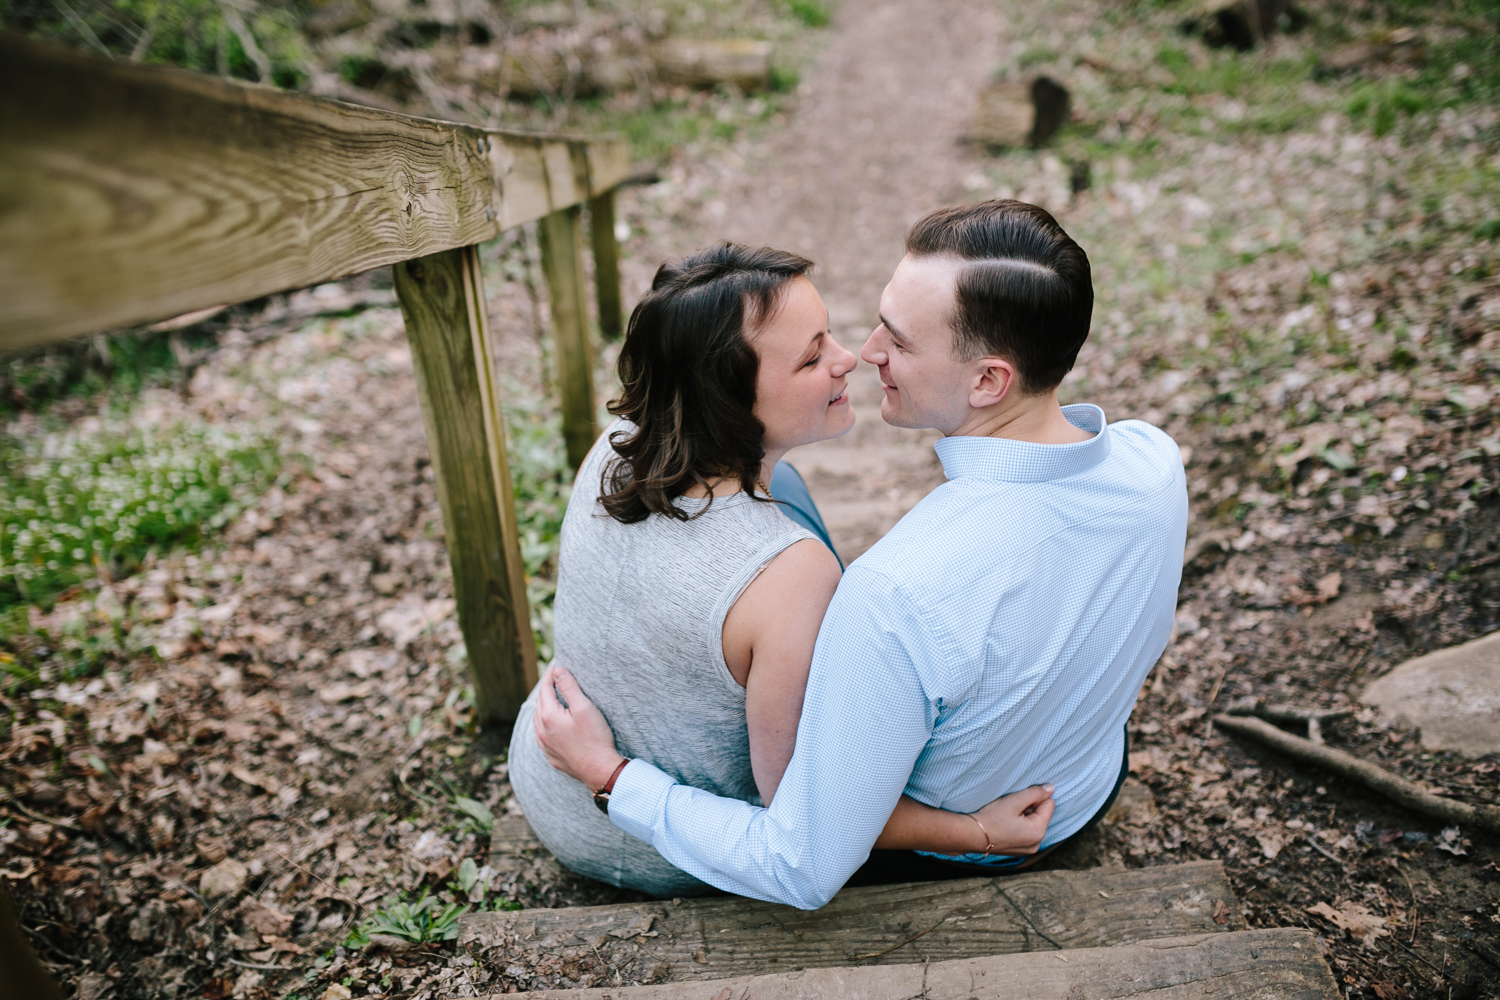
(385, 583)
(1452, 695)
(227, 878)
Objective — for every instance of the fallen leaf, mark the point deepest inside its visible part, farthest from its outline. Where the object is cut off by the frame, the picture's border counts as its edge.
(250, 777)
(335, 693)
(1355, 919)
(227, 878)
(1270, 844)
(1452, 841)
(641, 925)
(1328, 586)
(266, 920)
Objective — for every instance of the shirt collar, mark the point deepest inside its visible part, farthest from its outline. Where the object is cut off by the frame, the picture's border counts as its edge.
(1026, 461)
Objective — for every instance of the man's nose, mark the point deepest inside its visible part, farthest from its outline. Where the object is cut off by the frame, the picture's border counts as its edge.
(874, 352)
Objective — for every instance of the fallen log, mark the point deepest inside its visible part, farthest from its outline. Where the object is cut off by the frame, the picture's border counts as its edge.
(528, 72)
(1020, 113)
(742, 62)
(1407, 793)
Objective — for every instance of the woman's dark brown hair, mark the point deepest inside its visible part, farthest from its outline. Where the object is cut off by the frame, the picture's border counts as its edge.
(687, 373)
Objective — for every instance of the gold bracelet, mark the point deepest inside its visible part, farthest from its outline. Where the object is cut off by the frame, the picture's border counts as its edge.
(989, 845)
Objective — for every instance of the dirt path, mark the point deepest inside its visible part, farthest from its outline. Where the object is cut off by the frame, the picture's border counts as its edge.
(874, 144)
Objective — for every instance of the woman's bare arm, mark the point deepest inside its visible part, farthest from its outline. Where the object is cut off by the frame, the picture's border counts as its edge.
(1014, 824)
(768, 642)
(768, 645)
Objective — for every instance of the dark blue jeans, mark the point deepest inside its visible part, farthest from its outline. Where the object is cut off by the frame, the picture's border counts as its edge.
(889, 867)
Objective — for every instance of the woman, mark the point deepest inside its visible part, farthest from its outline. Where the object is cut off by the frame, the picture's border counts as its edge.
(688, 601)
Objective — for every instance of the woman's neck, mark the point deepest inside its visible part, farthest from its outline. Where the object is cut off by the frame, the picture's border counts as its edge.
(724, 486)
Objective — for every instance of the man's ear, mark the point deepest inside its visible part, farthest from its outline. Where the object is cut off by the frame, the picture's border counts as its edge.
(994, 380)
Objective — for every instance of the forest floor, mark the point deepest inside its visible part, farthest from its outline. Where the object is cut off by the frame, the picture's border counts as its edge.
(220, 767)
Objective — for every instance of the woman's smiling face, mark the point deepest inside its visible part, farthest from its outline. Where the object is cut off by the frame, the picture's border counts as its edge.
(801, 390)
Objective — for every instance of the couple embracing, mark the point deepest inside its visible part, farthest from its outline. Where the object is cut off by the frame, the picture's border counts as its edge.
(739, 711)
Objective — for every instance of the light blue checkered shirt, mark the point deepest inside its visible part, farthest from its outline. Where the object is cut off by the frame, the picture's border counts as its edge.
(996, 638)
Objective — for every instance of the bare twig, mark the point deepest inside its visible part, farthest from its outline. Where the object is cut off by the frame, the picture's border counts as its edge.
(1416, 914)
(1314, 717)
(62, 821)
(1372, 776)
(356, 903)
(903, 944)
(253, 965)
(1324, 851)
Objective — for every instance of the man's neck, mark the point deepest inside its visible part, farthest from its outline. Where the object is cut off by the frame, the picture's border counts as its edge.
(1038, 419)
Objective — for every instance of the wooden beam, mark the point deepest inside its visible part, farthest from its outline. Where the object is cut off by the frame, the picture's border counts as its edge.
(606, 265)
(134, 193)
(442, 301)
(720, 937)
(561, 238)
(1282, 962)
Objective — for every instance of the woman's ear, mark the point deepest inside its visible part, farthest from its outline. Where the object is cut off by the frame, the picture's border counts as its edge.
(994, 378)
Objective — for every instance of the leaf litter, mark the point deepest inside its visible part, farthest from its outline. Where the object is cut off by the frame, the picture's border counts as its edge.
(1298, 293)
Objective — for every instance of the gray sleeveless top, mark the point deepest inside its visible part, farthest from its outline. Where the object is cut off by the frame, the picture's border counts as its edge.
(639, 620)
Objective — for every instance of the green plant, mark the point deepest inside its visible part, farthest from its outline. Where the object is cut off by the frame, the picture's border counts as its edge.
(421, 922)
(542, 482)
(812, 13)
(477, 812)
(76, 504)
(254, 42)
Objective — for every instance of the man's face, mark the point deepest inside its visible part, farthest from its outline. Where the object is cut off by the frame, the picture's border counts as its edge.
(925, 383)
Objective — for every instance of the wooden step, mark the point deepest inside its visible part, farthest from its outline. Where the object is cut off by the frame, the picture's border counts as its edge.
(719, 937)
(1284, 963)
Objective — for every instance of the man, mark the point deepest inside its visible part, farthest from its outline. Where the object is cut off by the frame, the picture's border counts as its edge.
(997, 637)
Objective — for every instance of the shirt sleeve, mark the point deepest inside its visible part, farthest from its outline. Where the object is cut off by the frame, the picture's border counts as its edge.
(865, 718)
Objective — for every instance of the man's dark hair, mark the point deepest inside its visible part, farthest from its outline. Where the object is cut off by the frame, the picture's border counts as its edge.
(687, 376)
(1025, 293)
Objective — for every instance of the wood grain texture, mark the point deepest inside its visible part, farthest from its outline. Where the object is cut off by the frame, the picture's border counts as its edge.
(561, 238)
(721, 937)
(131, 193)
(606, 266)
(442, 301)
(1281, 963)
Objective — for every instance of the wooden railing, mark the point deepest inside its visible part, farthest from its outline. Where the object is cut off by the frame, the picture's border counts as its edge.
(130, 194)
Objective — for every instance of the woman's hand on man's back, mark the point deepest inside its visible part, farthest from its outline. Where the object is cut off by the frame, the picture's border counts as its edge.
(1016, 823)
(572, 732)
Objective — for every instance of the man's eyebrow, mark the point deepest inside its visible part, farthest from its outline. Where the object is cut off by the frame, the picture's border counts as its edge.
(892, 328)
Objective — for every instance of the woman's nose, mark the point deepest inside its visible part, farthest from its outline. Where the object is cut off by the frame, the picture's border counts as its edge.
(846, 363)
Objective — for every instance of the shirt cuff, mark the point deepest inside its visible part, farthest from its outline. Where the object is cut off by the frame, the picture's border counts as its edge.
(639, 798)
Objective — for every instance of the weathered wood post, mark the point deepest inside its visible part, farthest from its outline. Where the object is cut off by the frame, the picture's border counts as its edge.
(606, 265)
(562, 258)
(442, 301)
